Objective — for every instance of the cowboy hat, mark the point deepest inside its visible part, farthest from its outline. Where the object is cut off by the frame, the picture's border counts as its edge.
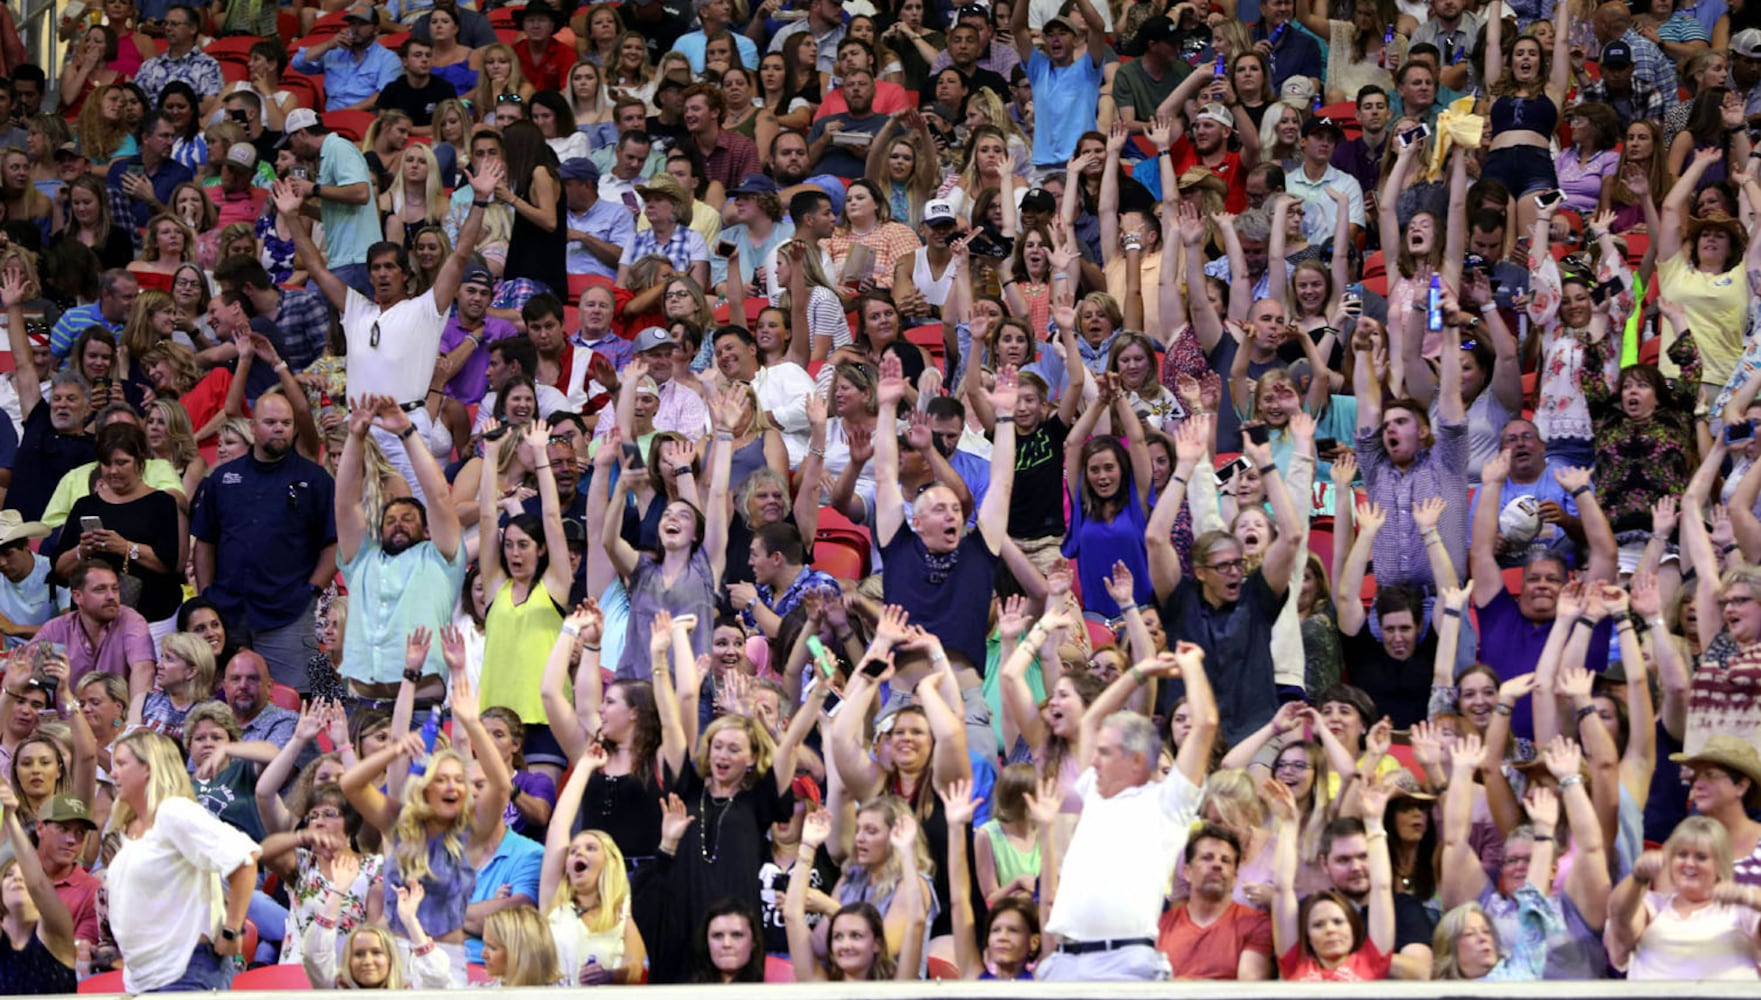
(13, 527)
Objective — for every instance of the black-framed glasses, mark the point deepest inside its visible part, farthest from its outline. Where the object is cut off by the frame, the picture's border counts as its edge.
(1229, 566)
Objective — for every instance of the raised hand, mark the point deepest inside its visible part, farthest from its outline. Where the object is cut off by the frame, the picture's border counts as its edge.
(1012, 618)
(1120, 586)
(1044, 806)
(903, 835)
(1574, 682)
(1379, 739)
(1563, 757)
(416, 648)
(1279, 800)
(1514, 690)
(673, 820)
(893, 626)
(452, 649)
(1191, 439)
(588, 621)
(816, 828)
(311, 721)
(1375, 795)
(1496, 469)
(346, 867)
(1427, 512)
(1646, 601)
(485, 180)
(464, 701)
(1649, 866)
(958, 805)
(891, 388)
(1370, 518)
(1542, 805)
(1455, 597)
(1665, 515)
(660, 635)
(1344, 470)
(1469, 753)
(1569, 478)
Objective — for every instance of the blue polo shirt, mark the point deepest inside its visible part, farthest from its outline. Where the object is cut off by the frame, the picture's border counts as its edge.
(518, 862)
(1064, 100)
(267, 522)
(349, 80)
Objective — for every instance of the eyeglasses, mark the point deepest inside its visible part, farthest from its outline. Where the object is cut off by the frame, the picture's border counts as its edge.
(1725, 602)
(1298, 765)
(318, 814)
(1231, 566)
(187, 283)
(560, 439)
(677, 293)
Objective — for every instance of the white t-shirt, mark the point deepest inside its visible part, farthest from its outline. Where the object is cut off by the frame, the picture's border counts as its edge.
(1117, 867)
(408, 345)
(166, 891)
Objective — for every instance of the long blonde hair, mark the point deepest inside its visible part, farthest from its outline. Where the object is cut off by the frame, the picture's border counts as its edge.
(411, 831)
(394, 966)
(483, 99)
(883, 878)
(613, 886)
(531, 951)
(178, 432)
(433, 194)
(166, 779)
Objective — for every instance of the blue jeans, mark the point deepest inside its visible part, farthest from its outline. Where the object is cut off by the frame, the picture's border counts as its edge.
(289, 648)
(271, 920)
(1576, 451)
(206, 971)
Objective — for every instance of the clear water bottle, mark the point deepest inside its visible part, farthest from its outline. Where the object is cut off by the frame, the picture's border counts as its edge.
(1434, 306)
(82, 960)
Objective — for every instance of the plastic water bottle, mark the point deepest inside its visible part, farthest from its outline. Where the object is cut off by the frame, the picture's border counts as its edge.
(82, 961)
(1434, 306)
(1387, 46)
(430, 733)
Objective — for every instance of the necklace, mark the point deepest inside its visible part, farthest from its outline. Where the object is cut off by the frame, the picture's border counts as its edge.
(703, 801)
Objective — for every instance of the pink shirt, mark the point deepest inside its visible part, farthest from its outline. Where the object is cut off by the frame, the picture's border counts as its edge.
(120, 643)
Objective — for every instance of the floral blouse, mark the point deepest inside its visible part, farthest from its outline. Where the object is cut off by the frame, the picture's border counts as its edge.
(1561, 410)
(306, 892)
(1640, 462)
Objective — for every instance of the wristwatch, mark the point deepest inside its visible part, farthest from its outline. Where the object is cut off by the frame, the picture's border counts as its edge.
(228, 933)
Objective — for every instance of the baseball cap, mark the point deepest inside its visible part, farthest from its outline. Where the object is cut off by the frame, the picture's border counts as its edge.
(68, 148)
(1322, 124)
(1298, 88)
(1217, 113)
(298, 120)
(477, 274)
(939, 211)
(652, 338)
(1157, 29)
(973, 10)
(65, 809)
(242, 155)
(1745, 43)
(573, 532)
(365, 13)
(1057, 22)
(646, 386)
(1619, 54)
(580, 168)
(1039, 200)
(755, 184)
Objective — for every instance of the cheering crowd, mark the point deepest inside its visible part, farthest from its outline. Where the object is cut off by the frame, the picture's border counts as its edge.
(673, 492)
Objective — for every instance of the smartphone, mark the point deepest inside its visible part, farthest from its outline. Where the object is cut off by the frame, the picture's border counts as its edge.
(299, 173)
(1607, 290)
(1417, 133)
(90, 523)
(1548, 199)
(631, 203)
(1257, 433)
(874, 668)
(632, 454)
(137, 169)
(833, 700)
(1739, 433)
(496, 433)
(725, 248)
(239, 116)
(1325, 445)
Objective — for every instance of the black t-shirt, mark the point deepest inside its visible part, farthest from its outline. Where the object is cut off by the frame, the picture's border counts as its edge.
(417, 102)
(773, 885)
(44, 456)
(1412, 922)
(661, 32)
(1237, 640)
(149, 521)
(1036, 505)
(1401, 688)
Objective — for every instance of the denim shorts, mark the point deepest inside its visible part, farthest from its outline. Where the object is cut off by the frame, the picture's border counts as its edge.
(1524, 170)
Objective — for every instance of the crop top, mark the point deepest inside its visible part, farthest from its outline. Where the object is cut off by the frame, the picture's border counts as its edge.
(1527, 114)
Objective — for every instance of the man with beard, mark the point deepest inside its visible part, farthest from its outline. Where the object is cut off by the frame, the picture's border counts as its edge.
(246, 685)
(790, 167)
(100, 634)
(62, 825)
(681, 409)
(1209, 935)
(838, 144)
(1066, 89)
(1207, 145)
(464, 342)
(412, 570)
(265, 569)
(923, 278)
(1514, 630)
(1531, 474)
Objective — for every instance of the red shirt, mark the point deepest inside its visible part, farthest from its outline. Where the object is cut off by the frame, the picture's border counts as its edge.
(1213, 952)
(79, 890)
(242, 207)
(551, 71)
(889, 98)
(1364, 965)
(1229, 169)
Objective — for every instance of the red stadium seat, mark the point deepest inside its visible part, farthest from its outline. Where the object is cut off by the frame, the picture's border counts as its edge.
(503, 17)
(284, 697)
(234, 47)
(1321, 544)
(776, 970)
(1513, 579)
(579, 283)
(753, 308)
(1403, 753)
(308, 91)
(106, 982)
(351, 125)
(839, 558)
(287, 24)
(233, 71)
(941, 968)
(393, 41)
(1375, 266)
(273, 977)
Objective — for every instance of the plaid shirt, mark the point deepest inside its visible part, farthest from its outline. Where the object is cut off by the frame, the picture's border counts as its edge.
(1437, 471)
(1650, 64)
(1645, 101)
(195, 67)
(304, 321)
(781, 606)
(685, 247)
